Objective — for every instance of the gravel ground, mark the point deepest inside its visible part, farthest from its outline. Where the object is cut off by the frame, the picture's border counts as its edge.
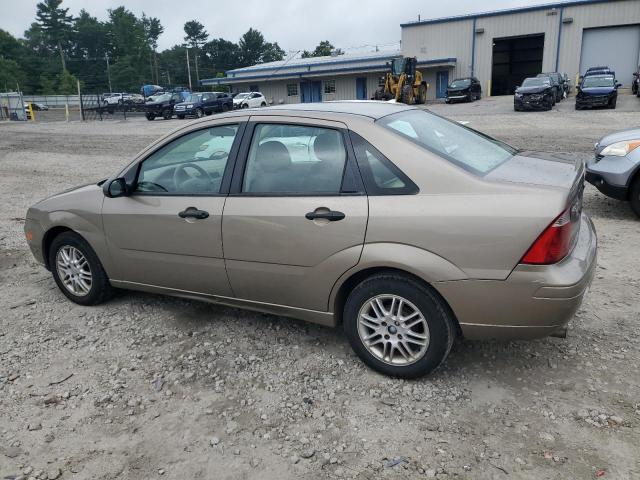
(149, 386)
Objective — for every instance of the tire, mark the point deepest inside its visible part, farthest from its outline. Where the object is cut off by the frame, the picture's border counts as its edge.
(100, 289)
(634, 196)
(263, 104)
(379, 94)
(245, 105)
(181, 117)
(150, 116)
(422, 94)
(225, 107)
(167, 114)
(612, 104)
(199, 113)
(578, 107)
(436, 320)
(407, 95)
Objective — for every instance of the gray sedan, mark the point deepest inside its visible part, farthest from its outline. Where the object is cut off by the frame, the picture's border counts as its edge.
(615, 169)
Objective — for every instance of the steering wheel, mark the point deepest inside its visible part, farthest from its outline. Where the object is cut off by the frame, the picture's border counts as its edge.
(181, 170)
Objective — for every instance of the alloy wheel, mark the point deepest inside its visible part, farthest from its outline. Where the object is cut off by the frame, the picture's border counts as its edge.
(74, 270)
(393, 329)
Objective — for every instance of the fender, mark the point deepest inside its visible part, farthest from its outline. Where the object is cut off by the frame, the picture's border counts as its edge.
(417, 261)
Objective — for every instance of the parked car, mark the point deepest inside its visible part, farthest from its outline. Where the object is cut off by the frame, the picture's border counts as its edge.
(556, 83)
(200, 104)
(249, 100)
(420, 230)
(535, 93)
(36, 106)
(466, 89)
(597, 91)
(161, 105)
(114, 99)
(635, 85)
(615, 168)
(133, 99)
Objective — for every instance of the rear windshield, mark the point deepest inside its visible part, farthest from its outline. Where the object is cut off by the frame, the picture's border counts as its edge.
(465, 82)
(471, 150)
(598, 81)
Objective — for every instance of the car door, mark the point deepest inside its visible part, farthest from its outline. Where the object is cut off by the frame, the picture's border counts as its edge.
(167, 232)
(296, 216)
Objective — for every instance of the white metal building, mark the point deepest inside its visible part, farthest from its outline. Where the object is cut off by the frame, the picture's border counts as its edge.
(315, 79)
(500, 48)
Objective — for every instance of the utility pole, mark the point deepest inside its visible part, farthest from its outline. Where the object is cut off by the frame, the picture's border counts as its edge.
(108, 72)
(188, 68)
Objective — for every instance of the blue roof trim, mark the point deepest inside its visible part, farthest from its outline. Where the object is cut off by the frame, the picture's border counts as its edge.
(223, 80)
(495, 13)
(315, 64)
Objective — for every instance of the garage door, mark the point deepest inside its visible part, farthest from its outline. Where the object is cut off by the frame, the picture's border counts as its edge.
(616, 47)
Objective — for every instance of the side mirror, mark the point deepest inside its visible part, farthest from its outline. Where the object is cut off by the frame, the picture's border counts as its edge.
(116, 188)
(618, 85)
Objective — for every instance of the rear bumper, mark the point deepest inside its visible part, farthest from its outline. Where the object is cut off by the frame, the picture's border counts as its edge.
(534, 301)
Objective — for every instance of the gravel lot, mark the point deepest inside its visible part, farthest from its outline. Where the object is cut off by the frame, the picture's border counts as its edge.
(154, 387)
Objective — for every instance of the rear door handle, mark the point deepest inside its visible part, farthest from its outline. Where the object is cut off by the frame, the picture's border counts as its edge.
(193, 212)
(331, 215)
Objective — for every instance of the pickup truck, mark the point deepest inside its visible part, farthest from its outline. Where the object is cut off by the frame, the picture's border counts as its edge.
(161, 105)
(200, 104)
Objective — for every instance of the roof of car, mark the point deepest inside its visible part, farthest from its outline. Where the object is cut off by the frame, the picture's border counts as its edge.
(367, 108)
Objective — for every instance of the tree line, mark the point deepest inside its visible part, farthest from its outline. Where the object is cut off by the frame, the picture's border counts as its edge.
(121, 53)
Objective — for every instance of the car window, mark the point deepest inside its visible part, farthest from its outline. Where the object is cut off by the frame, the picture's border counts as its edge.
(296, 159)
(460, 145)
(381, 176)
(191, 164)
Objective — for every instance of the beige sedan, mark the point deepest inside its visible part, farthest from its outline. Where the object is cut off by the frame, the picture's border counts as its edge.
(406, 228)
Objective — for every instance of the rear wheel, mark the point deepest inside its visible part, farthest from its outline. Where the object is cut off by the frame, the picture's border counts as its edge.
(78, 271)
(181, 117)
(379, 94)
(398, 326)
(225, 107)
(634, 196)
(422, 94)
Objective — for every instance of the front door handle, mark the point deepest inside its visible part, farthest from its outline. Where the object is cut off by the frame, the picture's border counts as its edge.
(331, 215)
(193, 212)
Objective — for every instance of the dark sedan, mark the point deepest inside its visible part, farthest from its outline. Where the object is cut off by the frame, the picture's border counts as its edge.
(534, 94)
(597, 91)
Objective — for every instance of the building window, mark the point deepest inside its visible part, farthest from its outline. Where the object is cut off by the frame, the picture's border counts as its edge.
(329, 86)
(292, 89)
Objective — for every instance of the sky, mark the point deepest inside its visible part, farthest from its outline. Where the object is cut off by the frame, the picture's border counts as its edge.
(355, 26)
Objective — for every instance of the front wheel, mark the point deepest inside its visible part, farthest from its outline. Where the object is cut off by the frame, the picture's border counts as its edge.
(398, 326)
(263, 104)
(78, 271)
(245, 105)
(634, 196)
(199, 113)
(150, 116)
(612, 103)
(167, 114)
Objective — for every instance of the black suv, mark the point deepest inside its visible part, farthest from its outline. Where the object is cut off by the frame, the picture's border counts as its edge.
(161, 105)
(556, 84)
(199, 104)
(465, 89)
(535, 94)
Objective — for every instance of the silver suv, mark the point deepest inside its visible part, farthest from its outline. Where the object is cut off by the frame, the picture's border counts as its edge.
(615, 169)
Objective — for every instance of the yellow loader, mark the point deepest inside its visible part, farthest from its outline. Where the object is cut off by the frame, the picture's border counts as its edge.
(403, 83)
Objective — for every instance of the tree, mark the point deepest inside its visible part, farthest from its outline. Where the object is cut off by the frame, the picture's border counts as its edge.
(195, 36)
(222, 54)
(11, 75)
(55, 24)
(67, 83)
(152, 30)
(254, 49)
(324, 49)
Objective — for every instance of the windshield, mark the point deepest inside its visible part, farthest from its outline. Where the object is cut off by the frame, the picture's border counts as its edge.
(160, 98)
(598, 81)
(242, 95)
(194, 98)
(463, 146)
(465, 82)
(536, 82)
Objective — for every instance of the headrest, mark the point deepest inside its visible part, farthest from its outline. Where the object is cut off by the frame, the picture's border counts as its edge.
(273, 156)
(328, 147)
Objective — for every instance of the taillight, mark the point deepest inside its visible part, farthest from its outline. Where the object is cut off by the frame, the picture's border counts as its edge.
(554, 243)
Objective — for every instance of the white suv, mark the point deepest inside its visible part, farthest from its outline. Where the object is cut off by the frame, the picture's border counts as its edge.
(249, 100)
